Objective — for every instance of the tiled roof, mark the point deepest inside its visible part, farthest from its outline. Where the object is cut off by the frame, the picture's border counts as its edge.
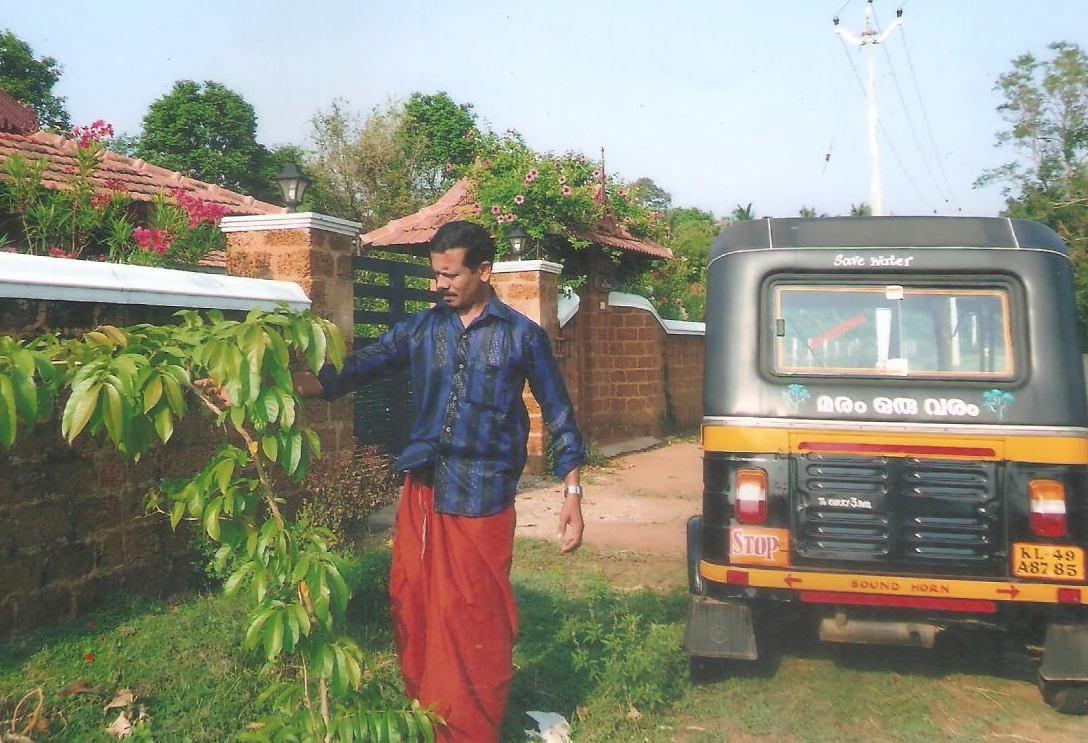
(15, 117)
(419, 228)
(141, 180)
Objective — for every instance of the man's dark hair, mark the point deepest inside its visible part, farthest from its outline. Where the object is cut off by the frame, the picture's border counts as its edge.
(477, 242)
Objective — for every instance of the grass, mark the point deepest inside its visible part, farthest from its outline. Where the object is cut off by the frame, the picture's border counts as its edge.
(595, 645)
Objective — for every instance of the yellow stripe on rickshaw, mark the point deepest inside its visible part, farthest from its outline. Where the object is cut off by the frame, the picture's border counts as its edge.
(888, 585)
(954, 445)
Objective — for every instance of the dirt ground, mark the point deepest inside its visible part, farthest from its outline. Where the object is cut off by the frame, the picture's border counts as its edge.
(639, 503)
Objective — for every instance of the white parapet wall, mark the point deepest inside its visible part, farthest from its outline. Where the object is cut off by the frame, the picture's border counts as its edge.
(672, 327)
(41, 277)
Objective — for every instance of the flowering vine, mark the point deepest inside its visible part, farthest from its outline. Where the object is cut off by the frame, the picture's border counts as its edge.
(556, 199)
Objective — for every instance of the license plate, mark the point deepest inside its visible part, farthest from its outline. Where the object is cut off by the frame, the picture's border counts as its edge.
(1048, 562)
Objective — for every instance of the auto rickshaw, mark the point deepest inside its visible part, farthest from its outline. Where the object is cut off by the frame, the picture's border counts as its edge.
(895, 435)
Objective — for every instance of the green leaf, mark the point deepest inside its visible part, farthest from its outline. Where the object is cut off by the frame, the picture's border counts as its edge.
(270, 402)
(164, 423)
(315, 351)
(77, 412)
(270, 447)
(293, 451)
(176, 514)
(255, 626)
(26, 395)
(336, 349)
(223, 472)
(152, 393)
(273, 638)
(211, 518)
(114, 414)
(174, 398)
(314, 442)
(8, 420)
(234, 582)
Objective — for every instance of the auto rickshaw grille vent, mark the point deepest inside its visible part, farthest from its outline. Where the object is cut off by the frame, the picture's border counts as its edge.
(899, 511)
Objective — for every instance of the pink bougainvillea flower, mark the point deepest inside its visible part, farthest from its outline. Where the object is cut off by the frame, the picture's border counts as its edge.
(519, 199)
(58, 253)
(100, 200)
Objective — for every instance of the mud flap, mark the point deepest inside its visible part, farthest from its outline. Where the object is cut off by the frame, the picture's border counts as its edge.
(695, 555)
(720, 629)
(1065, 651)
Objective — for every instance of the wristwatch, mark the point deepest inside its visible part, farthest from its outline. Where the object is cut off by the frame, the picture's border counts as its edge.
(573, 490)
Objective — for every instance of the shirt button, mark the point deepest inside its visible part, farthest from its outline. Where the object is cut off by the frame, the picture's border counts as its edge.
(460, 366)
(447, 429)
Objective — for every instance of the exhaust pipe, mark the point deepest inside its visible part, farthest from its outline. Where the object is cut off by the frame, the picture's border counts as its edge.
(839, 628)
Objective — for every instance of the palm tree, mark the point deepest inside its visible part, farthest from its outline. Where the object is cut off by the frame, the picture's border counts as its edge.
(743, 213)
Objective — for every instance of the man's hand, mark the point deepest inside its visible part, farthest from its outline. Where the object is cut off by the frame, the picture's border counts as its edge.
(571, 525)
(306, 384)
(216, 393)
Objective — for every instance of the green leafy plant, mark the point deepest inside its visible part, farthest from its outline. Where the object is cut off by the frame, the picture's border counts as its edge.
(131, 386)
(96, 217)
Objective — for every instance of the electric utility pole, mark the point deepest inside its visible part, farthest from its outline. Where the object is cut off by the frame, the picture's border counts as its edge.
(869, 38)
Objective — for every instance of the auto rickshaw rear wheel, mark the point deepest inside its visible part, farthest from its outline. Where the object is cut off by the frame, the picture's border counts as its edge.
(1067, 697)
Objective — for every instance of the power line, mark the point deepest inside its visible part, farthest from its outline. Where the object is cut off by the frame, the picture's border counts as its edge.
(925, 119)
(910, 121)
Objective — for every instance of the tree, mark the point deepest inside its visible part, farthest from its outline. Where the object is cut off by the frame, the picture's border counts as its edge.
(439, 138)
(650, 195)
(1046, 108)
(861, 210)
(742, 213)
(359, 168)
(30, 80)
(208, 132)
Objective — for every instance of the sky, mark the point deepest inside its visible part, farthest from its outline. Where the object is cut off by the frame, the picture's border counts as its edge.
(721, 102)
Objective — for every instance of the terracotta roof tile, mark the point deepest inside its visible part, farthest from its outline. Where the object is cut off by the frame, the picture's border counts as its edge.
(141, 180)
(419, 228)
(15, 116)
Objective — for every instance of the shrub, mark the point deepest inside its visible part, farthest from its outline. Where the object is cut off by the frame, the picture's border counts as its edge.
(342, 491)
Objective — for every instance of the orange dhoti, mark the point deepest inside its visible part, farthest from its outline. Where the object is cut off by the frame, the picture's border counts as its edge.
(454, 618)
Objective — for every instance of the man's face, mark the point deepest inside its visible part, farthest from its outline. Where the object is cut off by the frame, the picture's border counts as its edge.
(462, 288)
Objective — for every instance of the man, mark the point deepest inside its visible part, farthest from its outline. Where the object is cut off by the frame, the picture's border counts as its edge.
(468, 359)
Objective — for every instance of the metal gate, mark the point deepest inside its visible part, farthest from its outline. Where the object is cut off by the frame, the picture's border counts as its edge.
(386, 291)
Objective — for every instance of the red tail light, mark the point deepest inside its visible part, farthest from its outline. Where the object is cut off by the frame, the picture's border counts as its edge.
(1047, 508)
(751, 490)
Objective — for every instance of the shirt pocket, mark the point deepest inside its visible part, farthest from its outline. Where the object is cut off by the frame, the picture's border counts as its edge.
(489, 385)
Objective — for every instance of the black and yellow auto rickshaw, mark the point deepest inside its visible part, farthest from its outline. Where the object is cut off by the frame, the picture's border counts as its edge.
(896, 435)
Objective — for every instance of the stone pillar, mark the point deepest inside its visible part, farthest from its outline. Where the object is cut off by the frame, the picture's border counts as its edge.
(314, 251)
(532, 288)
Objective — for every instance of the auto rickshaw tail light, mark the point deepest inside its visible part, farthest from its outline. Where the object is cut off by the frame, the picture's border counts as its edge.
(1047, 499)
(751, 490)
